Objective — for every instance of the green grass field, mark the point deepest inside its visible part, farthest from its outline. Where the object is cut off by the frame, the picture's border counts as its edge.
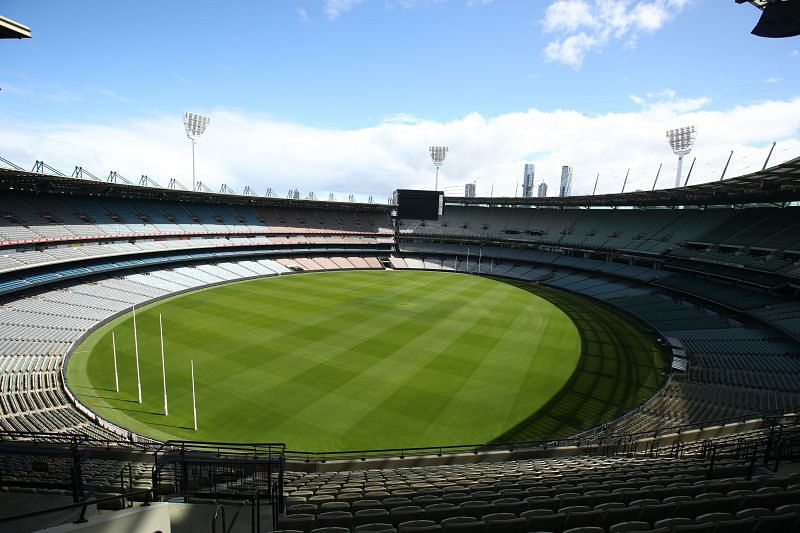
(366, 359)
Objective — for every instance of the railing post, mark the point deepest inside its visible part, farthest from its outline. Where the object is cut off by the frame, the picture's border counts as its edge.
(752, 467)
(713, 452)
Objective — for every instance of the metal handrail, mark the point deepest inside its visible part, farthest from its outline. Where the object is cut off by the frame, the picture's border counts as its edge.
(83, 505)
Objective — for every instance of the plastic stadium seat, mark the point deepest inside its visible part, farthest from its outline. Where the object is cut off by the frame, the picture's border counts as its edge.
(302, 508)
(783, 522)
(585, 529)
(583, 518)
(406, 514)
(633, 525)
(350, 497)
(643, 502)
(302, 522)
(621, 514)
(764, 499)
(788, 508)
(677, 499)
(706, 528)
(712, 517)
(510, 505)
(331, 530)
(439, 511)
(419, 526)
(474, 526)
(654, 513)
(511, 524)
(519, 494)
(426, 500)
(572, 499)
(691, 509)
(610, 505)
(574, 509)
(758, 512)
(726, 504)
(476, 509)
(370, 516)
(360, 505)
(333, 506)
(671, 523)
(486, 495)
(379, 495)
(541, 502)
(551, 522)
(376, 527)
(737, 525)
(335, 519)
(287, 531)
(456, 498)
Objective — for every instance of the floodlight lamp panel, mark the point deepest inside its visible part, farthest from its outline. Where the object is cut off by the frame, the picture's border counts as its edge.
(682, 139)
(195, 125)
(438, 154)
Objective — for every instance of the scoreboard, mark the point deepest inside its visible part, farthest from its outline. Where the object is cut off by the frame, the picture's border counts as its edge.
(418, 204)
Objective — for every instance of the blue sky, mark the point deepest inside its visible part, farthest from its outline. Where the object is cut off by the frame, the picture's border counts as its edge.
(362, 87)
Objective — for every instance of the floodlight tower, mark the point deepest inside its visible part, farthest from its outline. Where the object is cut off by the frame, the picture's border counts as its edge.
(681, 140)
(195, 125)
(438, 153)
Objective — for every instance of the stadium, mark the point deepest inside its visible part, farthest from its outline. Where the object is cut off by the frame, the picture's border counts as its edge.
(693, 288)
(177, 359)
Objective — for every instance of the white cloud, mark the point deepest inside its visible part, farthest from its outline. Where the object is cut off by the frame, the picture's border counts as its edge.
(795, 53)
(667, 100)
(335, 8)
(584, 26)
(303, 14)
(242, 149)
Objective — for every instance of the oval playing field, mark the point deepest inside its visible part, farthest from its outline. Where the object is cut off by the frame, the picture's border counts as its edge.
(368, 359)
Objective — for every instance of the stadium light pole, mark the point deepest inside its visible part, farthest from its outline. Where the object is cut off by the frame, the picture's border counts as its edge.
(438, 154)
(195, 125)
(163, 365)
(681, 140)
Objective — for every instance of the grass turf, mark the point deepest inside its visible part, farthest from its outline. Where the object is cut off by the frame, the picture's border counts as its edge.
(348, 360)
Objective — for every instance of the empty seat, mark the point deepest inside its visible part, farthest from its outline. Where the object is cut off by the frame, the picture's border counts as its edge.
(712, 517)
(335, 519)
(371, 516)
(633, 525)
(406, 514)
(300, 522)
(419, 526)
(375, 528)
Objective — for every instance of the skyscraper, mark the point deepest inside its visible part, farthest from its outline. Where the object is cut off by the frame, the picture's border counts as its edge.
(542, 190)
(527, 180)
(469, 190)
(566, 181)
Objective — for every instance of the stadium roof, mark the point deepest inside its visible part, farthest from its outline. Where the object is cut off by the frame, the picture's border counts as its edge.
(778, 185)
(34, 182)
(10, 29)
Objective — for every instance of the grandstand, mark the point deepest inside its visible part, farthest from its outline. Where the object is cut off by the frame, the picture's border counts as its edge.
(713, 269)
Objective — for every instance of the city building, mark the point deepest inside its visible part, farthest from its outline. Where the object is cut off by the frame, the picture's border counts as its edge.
(527, 180)
(469, 190)
(542, 189)
(566, 181)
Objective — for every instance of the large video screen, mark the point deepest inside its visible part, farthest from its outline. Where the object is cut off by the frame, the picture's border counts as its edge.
(419, 205)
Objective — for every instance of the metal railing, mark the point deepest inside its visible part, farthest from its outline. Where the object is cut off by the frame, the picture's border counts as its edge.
(149, 495)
